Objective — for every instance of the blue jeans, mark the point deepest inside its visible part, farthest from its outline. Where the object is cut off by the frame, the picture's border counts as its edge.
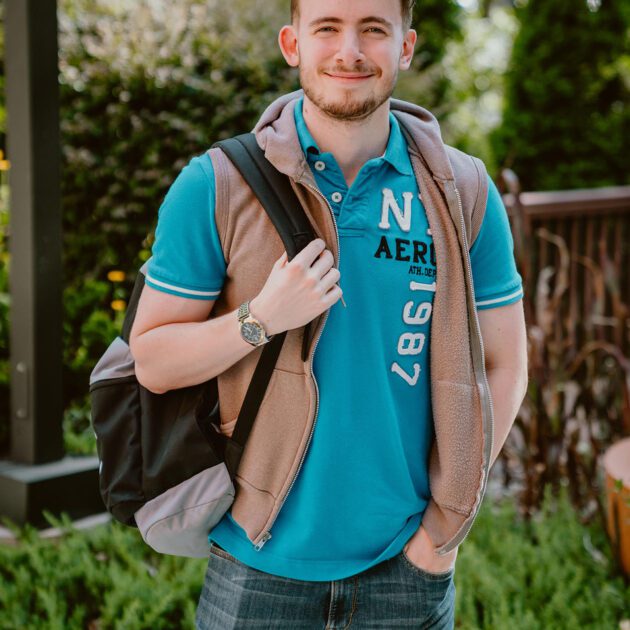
(392, 594)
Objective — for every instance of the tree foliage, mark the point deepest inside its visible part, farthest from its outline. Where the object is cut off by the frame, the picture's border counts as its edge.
(566, 122)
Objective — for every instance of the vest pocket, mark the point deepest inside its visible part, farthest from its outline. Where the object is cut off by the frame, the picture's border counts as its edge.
(279, 433)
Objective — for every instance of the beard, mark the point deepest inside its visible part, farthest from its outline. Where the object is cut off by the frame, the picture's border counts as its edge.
(350, 106)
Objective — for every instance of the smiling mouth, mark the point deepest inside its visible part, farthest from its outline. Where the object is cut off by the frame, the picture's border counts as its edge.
(348, 77)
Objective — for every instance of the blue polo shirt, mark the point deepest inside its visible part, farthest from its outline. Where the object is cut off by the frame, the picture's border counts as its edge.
(363, 486)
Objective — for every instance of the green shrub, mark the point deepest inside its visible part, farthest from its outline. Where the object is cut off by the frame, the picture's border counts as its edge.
(548, 573)
(134, 110)
(552, 573)
(106, 574)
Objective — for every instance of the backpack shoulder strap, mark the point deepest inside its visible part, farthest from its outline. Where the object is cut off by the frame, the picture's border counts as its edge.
(275, 194)
(272, 189)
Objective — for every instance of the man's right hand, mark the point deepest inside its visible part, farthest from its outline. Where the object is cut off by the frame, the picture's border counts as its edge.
(296, 292)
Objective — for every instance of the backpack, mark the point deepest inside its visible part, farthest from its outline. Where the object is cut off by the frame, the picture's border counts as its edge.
(165, 467)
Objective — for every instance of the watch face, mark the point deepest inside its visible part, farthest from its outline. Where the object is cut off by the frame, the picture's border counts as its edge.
(251, 332)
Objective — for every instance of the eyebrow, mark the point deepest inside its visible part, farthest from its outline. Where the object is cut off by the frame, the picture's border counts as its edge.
(365, 20)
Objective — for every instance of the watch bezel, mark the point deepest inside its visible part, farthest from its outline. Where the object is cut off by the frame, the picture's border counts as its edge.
(249, 325)
(245, 317)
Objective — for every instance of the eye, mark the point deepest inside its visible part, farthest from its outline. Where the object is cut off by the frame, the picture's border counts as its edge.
(376, 29)
(324, 28)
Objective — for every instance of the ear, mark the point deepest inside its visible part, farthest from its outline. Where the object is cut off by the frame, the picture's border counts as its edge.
(406, 54)
(287, 39)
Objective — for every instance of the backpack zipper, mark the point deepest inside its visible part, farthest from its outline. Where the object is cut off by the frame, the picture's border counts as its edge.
(266, 535)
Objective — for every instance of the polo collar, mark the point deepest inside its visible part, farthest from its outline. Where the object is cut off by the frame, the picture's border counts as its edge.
(395, 152)
(277, 136)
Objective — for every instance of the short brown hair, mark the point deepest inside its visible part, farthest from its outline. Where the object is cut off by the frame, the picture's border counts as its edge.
(406, 7)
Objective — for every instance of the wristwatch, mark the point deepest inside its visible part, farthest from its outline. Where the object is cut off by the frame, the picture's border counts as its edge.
(251, 329)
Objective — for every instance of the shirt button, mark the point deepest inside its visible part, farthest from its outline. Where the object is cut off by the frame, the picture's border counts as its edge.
(336, 197)
(319, 165)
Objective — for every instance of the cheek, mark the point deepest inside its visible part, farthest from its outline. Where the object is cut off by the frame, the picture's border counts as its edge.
(383, 57)
(320, 52)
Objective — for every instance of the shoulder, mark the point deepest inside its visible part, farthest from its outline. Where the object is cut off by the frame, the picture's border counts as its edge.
(194, 181)
(472, 181)
(199, 171)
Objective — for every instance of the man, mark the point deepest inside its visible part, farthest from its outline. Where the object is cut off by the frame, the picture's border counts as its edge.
(369, 456)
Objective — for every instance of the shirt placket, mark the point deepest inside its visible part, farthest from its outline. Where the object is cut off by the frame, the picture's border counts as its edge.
(330, 181)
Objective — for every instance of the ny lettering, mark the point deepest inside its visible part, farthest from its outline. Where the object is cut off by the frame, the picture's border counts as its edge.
(403, 217)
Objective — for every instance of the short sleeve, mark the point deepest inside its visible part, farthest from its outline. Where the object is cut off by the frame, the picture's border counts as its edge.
(186, 258)
(496, 279)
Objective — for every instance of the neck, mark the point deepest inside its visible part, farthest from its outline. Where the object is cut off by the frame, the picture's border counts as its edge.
(352, 142)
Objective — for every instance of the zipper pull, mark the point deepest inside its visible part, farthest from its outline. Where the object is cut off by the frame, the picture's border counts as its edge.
(263, 540)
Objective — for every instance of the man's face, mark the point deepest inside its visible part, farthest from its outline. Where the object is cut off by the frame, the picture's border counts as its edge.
(349, 53)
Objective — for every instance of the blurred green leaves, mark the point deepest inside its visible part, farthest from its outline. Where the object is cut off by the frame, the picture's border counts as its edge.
(566, 122)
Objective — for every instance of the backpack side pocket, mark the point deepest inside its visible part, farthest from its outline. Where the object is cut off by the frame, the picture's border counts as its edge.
(116, 421)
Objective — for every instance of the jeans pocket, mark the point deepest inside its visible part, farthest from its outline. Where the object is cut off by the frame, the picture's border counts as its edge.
(215, 550)
(427, 575)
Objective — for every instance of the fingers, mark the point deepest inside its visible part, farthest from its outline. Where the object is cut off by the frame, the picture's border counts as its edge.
(322, 265)
(306, 257)
(283, 259)
(332, 295)
(330, 278)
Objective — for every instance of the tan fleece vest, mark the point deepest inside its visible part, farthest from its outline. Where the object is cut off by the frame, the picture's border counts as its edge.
(462, 414)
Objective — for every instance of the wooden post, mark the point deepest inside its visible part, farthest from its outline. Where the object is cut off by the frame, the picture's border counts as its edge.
(37, 476)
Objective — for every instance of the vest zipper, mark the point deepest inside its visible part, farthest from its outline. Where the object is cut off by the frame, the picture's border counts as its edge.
(266, 535)
(459, 537)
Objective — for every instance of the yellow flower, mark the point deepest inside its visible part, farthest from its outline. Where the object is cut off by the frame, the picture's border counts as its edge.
(118, 305)
(116, 276)
(5, 165)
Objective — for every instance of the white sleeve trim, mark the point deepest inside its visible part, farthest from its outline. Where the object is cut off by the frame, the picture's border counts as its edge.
(501, 299)
(180, 289)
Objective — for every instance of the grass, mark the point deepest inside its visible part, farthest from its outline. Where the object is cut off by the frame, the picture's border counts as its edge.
(551, 573)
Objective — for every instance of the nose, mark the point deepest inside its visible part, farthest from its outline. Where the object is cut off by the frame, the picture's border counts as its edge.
(349, 52)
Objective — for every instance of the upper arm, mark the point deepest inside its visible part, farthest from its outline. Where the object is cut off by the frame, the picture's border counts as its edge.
(187, 256)
(187, 269)
(495, 276)
(504, 337)
(156, 308)
(499, 289)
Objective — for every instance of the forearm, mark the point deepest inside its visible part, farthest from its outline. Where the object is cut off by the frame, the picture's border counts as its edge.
(507, 388)
(183, 354)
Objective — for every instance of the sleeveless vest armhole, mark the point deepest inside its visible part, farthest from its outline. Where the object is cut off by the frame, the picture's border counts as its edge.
(222, 197)
(479, 208)
(471, 180)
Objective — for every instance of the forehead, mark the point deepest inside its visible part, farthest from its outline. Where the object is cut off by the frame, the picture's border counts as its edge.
(350, 10)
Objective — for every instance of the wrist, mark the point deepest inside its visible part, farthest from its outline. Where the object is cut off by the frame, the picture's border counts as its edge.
(258, 312)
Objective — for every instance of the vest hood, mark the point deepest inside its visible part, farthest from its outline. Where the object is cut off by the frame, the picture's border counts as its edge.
(276, 135)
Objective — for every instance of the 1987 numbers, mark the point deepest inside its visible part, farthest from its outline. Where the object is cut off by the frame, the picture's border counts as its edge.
(410, 343)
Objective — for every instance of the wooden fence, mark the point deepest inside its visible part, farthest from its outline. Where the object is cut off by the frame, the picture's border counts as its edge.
(586, 233)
